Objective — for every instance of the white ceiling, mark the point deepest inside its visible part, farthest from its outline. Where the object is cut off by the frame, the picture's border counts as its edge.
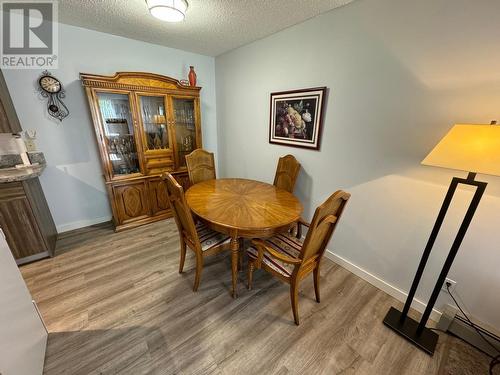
(211, 27)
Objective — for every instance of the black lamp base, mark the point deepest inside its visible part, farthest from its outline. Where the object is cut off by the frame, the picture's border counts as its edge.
(426, 340)
(416, 332)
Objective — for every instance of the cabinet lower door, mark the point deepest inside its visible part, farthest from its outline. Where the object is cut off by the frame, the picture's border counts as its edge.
(158, 196)
(183, 180)
(21, 228)
(131, 201)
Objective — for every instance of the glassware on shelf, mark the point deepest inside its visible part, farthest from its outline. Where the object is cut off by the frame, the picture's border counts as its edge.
(154, 122)
(188, 143)
(119, 132)
(185, 128)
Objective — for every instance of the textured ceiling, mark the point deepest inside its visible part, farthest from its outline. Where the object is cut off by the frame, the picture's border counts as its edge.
(211, 27)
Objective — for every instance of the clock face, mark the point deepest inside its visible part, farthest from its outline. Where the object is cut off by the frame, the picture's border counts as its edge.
(50, 84)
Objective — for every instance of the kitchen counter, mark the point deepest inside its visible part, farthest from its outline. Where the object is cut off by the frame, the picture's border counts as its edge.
(20, 174)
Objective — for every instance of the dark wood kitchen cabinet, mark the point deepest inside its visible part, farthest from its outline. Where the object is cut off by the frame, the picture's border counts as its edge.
(26, 220)
(9, 122)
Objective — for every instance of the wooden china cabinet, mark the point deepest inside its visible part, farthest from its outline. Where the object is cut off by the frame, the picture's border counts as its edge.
(145, 125)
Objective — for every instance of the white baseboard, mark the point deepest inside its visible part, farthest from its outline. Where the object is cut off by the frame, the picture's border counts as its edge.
(380, 284)
(81, 224)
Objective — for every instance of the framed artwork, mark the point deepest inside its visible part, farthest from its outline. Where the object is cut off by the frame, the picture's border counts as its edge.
(296, 117)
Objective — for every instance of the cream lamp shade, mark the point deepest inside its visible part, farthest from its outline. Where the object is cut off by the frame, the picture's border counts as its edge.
(471, 148)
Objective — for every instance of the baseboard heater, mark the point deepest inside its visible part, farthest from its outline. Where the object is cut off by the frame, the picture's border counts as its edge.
(460, 327)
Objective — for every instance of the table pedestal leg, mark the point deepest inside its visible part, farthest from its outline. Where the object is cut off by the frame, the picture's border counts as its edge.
(234, 263)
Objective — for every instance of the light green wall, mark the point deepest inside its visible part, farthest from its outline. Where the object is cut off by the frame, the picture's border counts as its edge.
(400, 74)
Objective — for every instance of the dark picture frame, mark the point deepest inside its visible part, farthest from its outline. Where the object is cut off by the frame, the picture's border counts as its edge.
(296, 117)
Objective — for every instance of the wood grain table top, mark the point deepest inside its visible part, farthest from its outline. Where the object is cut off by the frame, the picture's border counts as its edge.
(243, 205)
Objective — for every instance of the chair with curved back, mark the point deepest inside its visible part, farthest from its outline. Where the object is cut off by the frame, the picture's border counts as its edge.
(291, 260)
(198, 237)
(287, 173)
(200, 166)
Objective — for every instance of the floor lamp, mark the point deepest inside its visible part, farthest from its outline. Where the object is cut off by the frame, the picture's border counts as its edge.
(471, 148)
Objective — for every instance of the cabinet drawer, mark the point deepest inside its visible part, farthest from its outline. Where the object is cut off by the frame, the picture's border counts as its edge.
(158, 166)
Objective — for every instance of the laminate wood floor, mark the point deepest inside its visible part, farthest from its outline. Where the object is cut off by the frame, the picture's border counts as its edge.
(115, 303)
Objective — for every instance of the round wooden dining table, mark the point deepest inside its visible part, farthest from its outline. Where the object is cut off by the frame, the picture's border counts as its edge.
(243, 209)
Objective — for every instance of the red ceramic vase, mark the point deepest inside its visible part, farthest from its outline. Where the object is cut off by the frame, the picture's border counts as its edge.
(192, 76)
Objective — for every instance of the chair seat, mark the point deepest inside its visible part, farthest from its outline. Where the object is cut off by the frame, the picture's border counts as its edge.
(210, 238)
(283, 243)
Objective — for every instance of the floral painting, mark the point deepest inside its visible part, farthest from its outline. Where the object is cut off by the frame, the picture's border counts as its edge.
(296, 117)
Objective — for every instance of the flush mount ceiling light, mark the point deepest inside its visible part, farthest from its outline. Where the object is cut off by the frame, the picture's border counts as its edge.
(168, 10)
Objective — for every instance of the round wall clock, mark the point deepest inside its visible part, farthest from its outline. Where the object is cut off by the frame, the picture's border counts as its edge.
(51, 88)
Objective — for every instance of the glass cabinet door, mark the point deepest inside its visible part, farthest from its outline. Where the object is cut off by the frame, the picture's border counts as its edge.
(118, 133)
(185, 128)
(154, 123)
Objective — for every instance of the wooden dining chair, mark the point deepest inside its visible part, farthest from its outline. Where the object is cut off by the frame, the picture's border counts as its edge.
(291, 260)
(200, 166)
(198, 237)
(287, 173)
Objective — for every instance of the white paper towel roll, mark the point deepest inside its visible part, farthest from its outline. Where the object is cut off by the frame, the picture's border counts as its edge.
(10, 144)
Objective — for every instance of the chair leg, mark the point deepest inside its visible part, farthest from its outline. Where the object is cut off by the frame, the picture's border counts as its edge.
(183, 256)
(250, 274)
(199, 268)
(316, 283)
(241, 255)
(298, 233)
(294, 296)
